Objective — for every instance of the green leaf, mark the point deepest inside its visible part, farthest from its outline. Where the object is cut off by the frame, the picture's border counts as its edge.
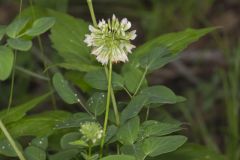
(128, 133)
(35, 153)
(6, 148)
(110, 135)
(40, 142)
(156, 58)
(174, 42)
(155, 128)
(19, 44)
(155, 146)
(118, 157)
(67, 36)
(133, 108)
(80, 143)
(40, 26)
(192, 152)
(159, 95)
(79, 66)
(63, 89)
(64, 155)
(15, 28)
(2, 31)
(74, 121)
(38, 125)
(98, 80)
(97, 103)
(18, 112)
(135, 150)
(68, 138)
(6, 62)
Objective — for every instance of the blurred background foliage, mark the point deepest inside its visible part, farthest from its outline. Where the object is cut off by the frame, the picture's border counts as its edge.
(207, 73)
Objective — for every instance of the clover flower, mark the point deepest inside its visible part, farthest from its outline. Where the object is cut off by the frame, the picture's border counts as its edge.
(111, 40)
(92, 132)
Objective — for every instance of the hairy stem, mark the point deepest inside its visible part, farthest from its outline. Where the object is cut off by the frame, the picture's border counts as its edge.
(11, 141)
(107, 108)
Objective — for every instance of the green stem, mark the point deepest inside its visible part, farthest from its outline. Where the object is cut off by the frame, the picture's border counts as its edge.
(90, 151)
(12, 81)
(115, 108)
(126, 90)
(90, 6)
(141, 81)
(107, 108)
(30, 73)
(13, 71)
(147, 113)
(47, 73)
(11, 141)
(44, 62)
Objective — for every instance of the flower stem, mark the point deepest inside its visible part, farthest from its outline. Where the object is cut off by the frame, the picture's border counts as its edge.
(11, 141)
(107, 108)
(90, 151)
(115, 108)
(90, 6)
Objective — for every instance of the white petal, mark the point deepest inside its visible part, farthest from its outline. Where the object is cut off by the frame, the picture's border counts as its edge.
(97, 51)
(132, 35)
(88, 40)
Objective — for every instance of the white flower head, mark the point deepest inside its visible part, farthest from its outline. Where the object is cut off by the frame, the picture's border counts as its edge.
(111, 40)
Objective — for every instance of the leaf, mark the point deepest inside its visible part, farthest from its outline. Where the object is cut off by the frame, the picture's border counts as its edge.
(155, 146)
(40, 142)
(79, 66)
(97, 103)
(192, 152)
(7, 150)
(128, 132)
(64, 155)
(6, 62)
(35, 153)
(68, 138)
(80, 143)
(38, 125)
(110, 135)
(67, 36)
(118, 157)
(18, 112)
(19, 44)
(135, 150)
(74, 121)
(98, 80)
(15, 28)
(174, 42)
(133, 108)
(156, 58)
(155, 128)
(159, 95)
(2, 31)
(63, 89)
(40, 26)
